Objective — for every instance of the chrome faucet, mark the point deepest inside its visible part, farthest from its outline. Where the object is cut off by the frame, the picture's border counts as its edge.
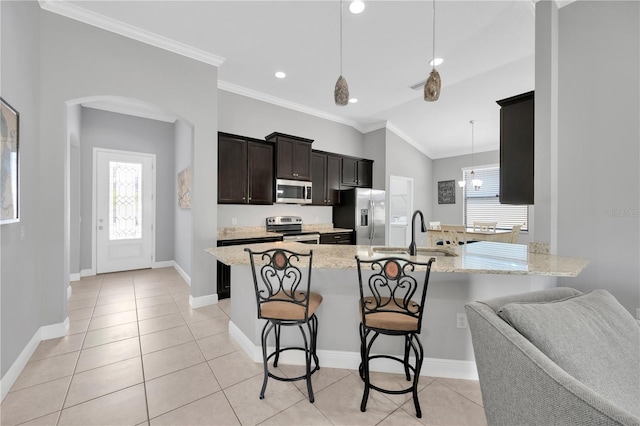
(423, 228)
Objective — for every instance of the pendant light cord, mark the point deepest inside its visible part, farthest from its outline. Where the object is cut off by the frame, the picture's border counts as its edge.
(340, 37)
(433, 59)
(472, 122)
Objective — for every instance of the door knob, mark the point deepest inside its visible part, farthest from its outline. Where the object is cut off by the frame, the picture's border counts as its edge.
(100, 227)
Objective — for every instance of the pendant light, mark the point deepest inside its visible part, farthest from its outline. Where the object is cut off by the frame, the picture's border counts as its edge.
(341, 92)
(477, 183)
(433, 84)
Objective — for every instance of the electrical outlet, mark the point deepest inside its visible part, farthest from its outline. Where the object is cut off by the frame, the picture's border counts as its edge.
(234, 221)
(461, 321)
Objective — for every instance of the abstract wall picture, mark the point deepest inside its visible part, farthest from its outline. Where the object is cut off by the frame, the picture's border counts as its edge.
(184, 188)
(9, 188)
(447, 192)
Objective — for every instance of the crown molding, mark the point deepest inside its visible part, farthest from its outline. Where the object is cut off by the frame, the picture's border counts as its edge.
(408, 139)
(250, 93)
(95, 19)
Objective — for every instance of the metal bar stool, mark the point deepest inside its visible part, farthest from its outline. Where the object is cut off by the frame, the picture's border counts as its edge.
(284, 300)
(394, 307)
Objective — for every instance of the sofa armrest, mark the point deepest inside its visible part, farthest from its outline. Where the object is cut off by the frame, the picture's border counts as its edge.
(520, 385)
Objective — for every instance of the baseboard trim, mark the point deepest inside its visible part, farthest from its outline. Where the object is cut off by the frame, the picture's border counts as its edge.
(199, 302)
(182, 273)
(163, 264)
(433, 367)
(74, 277)
(87, 272)
(43, 333)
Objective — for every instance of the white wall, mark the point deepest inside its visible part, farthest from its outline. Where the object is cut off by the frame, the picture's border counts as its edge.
(374, 149)
(598, 144)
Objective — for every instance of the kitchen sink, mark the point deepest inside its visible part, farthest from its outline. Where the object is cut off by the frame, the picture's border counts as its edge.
(424, 251)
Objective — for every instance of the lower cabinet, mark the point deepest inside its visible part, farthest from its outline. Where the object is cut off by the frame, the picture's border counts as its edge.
(337, 238)
(223, 272)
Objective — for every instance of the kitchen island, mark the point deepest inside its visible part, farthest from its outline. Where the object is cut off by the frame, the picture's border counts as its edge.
(470, 272)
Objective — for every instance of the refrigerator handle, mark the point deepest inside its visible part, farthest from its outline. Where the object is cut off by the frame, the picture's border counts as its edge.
(372, 221)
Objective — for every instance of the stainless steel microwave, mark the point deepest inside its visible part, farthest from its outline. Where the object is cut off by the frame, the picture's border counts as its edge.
(293, 191)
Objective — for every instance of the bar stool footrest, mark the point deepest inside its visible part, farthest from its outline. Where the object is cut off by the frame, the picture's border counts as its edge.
(315, 367)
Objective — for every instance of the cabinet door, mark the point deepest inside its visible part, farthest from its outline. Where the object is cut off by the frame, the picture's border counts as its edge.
(318, 178)
(232, 170)
(333, 180)
(517, 149)
(365, 173)
(349, 171)
(284, 162)
(260, 169)
(301, 160)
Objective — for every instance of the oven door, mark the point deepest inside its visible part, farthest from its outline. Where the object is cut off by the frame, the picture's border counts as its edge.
(304, 239)
(293, 191)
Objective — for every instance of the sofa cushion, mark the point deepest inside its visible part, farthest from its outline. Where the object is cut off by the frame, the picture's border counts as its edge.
(590, 336)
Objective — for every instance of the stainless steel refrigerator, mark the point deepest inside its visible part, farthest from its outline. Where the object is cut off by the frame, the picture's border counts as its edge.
(362, 210)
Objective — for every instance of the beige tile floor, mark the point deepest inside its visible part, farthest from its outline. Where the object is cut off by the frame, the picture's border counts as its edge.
(137, 354)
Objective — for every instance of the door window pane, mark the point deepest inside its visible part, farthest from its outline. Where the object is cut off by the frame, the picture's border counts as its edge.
(125, 200)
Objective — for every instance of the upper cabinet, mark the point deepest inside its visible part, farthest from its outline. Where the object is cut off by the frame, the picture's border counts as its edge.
(325, 174)
(245, 170)
(293, 156)
(357, 172)
(516, 149)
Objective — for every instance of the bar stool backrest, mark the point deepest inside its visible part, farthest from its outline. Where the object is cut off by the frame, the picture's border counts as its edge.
(393, 288)
(281, 275)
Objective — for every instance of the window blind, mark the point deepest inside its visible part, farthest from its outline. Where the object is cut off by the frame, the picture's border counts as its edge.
(484, 205)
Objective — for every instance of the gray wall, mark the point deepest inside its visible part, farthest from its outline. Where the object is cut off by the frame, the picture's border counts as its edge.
(183, 225)
(451, 169)
(74, 116)
(21, 269)
(598, 148)
(374, 149)
(402, 159)
(254, 118)
(102, 129)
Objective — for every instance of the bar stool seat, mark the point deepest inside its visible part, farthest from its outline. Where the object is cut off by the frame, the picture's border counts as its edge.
(282, 281)
(394, 308)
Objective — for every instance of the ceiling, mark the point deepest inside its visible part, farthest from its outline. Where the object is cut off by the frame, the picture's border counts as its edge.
(488, 48)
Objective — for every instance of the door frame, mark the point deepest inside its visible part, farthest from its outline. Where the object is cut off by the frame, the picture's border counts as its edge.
(94, 201)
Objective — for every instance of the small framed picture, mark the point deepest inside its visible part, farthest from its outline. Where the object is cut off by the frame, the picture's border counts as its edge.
(447, 192)
(184, 188)
(9, 173)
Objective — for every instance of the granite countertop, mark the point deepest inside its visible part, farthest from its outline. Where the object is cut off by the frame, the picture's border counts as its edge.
(478, 258)
(251, 232)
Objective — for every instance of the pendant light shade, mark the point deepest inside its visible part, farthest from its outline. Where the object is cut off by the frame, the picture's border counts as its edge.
(433, 84)
(341, 91)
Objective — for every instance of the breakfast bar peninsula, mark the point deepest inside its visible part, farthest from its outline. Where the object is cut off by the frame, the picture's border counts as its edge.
(461, 274)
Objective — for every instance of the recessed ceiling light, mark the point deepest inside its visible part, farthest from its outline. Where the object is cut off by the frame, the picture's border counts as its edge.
(280, 74)
(353, 100)
(356, 6)
(438, 61)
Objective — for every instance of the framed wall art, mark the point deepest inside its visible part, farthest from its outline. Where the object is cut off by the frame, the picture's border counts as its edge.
(184, 188)
(447, 192)
(9, 173)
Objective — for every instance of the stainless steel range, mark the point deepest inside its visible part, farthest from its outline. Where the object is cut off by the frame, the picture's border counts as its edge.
(291, 229)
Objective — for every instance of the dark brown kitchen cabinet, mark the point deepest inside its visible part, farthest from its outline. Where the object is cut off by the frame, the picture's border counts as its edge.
(337, 238)
(517, 149)
(245, 170)
(224, 271)
(293, 156)
(357, 172)
(325, 178)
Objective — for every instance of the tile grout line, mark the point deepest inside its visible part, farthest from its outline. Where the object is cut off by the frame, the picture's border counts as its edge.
(144, 378)
(75, 367)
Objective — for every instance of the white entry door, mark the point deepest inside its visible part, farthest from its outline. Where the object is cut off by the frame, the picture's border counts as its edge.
(125, 210)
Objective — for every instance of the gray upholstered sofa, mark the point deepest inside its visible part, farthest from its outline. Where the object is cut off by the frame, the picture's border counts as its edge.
(557, 357)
